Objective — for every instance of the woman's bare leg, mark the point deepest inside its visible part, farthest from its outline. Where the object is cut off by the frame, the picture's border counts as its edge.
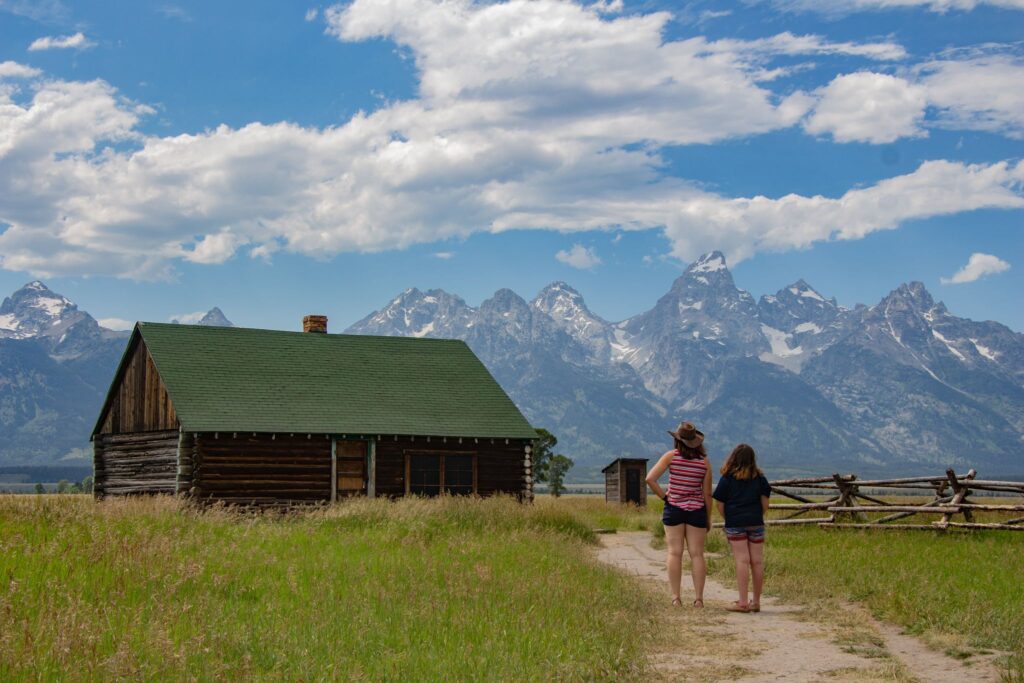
(756, 551)
(698, 569)
(674, 540)
(741, 555)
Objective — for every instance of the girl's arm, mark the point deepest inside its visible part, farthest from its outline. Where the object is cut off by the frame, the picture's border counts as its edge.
(707, 492)
(764, 503)
(655, 473)
(721, 508)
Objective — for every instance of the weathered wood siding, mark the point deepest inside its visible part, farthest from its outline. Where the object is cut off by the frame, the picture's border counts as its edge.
(500, 467)
(611, 484)
(261, 469)
(145, 462)
(140, 402)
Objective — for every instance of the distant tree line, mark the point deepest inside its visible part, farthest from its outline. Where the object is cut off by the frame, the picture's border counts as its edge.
(65, 486)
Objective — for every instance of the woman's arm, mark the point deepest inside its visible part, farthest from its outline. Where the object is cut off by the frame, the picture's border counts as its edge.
(655, 473)
(707, 491)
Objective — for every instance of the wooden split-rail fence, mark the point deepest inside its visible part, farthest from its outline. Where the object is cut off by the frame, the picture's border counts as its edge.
(853, 503)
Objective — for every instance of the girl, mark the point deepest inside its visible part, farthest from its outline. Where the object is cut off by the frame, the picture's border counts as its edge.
(742, 498)
(687, 517)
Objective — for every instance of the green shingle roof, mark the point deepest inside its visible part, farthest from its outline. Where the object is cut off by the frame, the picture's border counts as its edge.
(247, 380)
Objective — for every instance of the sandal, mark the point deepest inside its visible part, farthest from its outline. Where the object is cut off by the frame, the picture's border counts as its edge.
(677, 601)
(700, 606)
(737, 607)
(755, 607)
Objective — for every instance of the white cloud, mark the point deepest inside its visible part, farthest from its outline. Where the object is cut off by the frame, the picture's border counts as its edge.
(868, 107)
(116, 323)
(978, 266)
(788, 44)
(848, 6)
(77, 41)
(579, 256)
(175, 12)
(188, 318)
(11, 69)
(312, 13)
(444, 255)
(983, 92)
(555, 125)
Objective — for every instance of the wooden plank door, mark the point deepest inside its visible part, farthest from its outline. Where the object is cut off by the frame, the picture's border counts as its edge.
(350, 477)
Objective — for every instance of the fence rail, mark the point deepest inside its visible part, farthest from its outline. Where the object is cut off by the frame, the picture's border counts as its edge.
(849, 506)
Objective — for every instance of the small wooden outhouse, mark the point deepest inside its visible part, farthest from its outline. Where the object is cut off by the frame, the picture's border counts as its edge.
(624, 481)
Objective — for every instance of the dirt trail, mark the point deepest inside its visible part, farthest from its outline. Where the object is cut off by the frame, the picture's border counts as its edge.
(779, 643)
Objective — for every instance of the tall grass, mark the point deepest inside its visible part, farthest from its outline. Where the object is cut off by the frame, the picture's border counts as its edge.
(442, 589)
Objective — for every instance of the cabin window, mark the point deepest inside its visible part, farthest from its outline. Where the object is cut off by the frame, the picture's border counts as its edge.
(428, 474)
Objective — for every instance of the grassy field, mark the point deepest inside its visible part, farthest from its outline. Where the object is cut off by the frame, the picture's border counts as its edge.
(448, 589)
(424, 590)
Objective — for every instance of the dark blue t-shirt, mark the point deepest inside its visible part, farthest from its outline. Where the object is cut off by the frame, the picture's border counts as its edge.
(742, 498)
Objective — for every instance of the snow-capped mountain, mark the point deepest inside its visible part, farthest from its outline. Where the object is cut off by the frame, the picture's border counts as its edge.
(213, 318)
(815, 386)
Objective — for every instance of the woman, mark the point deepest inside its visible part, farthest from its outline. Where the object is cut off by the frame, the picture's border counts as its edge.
(687, 516)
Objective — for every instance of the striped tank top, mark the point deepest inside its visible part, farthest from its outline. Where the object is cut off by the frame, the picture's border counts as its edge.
(686, 482)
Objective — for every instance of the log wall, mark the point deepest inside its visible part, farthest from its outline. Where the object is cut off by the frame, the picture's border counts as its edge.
(135, 463)
(140, 402)
(262, 469)
(501, 467)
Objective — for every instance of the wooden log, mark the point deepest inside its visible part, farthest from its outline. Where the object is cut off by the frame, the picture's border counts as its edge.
(960, 491)
(801, 506)
(813, 480)
(901, 515)
(936, 509)
(808, 520)
(793, 496)
(982, 525)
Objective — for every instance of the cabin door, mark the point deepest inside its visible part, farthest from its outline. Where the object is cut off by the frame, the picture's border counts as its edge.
(350, 468)
(633, 486)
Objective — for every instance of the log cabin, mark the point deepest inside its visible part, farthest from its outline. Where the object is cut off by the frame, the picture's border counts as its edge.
(264, 417)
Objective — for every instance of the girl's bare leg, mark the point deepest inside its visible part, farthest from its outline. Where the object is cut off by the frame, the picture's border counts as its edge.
(674, 541)
(756, 552)
(741, 555)
(698, 569)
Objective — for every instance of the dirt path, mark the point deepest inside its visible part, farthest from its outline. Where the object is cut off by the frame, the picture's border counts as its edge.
(779, 643)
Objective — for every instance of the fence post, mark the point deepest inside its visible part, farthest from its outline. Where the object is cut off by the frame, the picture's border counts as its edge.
(960, 492)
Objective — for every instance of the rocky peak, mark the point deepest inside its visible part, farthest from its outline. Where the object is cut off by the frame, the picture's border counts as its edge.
(215, 318)
(434, 313)
(35, 310)
(565, 306)
(798, 308)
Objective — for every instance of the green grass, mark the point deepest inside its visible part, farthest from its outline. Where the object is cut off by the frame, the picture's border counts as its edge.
(447, 589)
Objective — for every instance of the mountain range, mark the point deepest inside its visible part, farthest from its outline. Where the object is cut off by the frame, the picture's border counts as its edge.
(900, 387)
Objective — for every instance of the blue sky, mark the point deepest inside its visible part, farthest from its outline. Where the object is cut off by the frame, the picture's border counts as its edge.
(158, 159)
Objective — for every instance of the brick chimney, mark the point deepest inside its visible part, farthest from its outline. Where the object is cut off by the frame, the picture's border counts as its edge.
(315, 323)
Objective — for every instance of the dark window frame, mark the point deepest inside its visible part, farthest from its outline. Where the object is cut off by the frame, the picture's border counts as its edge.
(409, 454)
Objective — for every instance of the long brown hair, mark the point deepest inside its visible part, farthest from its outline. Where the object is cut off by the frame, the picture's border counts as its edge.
(741, 463)
(698, 453)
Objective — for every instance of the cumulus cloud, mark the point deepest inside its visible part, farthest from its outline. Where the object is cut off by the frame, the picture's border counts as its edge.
(978, 266)
(312, 13)
(849, 6)
(868, 107)
(11, 69)
(530, 115)
(116, 323)
(982, 92)
(77, 41)
(579, 256)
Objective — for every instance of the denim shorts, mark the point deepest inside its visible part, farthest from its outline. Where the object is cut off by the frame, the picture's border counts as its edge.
(751, 534)
(674, 516)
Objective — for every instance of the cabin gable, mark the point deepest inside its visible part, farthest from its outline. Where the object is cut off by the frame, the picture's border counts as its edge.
(138, 400)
